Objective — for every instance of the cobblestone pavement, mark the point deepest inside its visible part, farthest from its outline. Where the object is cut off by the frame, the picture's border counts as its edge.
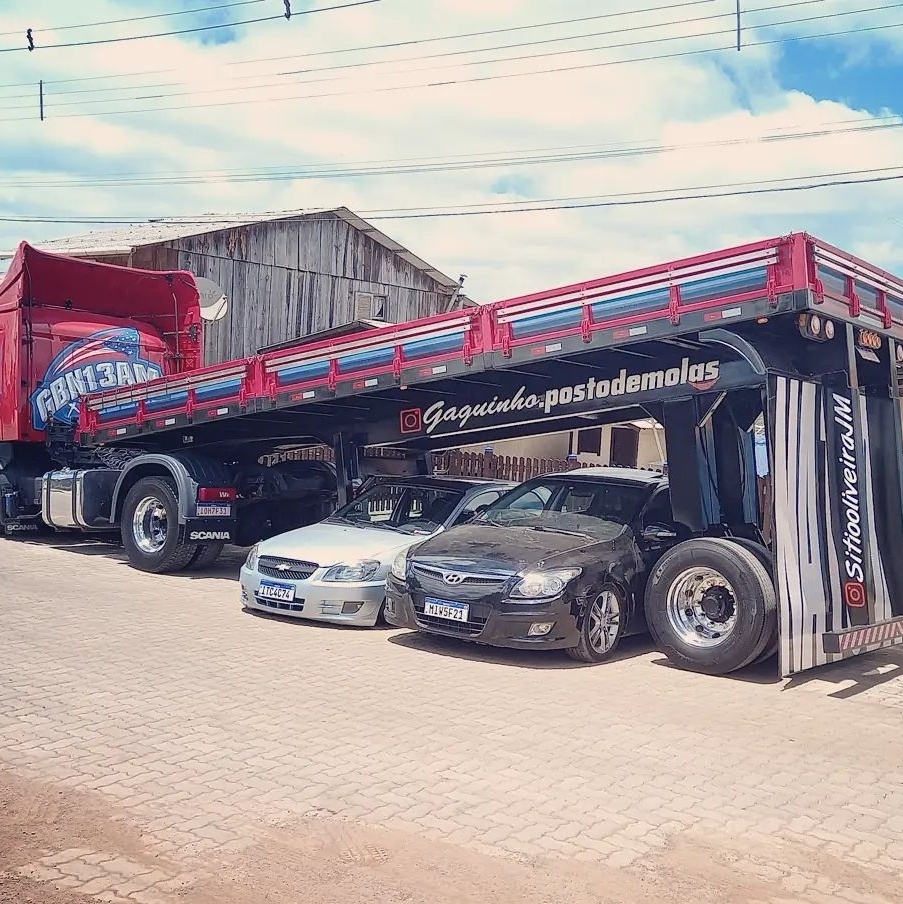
(161, 745)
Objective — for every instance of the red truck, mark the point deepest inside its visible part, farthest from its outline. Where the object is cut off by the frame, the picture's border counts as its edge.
(107, 423)
(69, 328)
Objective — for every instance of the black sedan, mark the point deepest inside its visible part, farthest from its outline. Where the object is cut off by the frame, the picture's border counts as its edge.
(560, 562)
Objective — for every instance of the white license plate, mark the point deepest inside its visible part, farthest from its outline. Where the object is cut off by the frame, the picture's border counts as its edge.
(270, 590)
(451, 611)
(213, 510)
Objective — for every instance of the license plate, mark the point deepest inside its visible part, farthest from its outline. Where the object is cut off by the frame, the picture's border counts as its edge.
(213, 510)
(442, 609)
(270, 590)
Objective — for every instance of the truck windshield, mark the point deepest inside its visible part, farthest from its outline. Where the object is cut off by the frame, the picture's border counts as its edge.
(405, 508)
(599, 509)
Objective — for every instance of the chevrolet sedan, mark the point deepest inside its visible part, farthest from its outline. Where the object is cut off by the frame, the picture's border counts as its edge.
(335, 571)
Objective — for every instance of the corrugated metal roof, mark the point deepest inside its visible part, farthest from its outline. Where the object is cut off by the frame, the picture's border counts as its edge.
(108, 242)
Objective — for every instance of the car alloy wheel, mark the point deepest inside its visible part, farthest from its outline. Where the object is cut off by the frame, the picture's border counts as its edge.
(601, 627)
(604, 621)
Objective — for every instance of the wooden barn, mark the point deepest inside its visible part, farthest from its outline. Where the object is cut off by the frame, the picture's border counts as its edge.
(285, 278)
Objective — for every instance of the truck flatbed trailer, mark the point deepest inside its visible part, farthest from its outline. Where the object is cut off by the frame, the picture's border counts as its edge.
(738, 285)
(790, 335)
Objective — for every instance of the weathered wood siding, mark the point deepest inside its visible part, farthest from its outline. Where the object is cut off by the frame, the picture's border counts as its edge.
(291, 278)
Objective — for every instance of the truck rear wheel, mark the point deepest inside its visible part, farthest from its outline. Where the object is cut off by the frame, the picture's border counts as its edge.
(150, 527)
(711, 606)
(766, 558)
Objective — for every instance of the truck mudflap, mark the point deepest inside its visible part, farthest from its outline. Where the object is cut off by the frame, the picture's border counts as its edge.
(21, 528)
(838, 518)
(208, 530)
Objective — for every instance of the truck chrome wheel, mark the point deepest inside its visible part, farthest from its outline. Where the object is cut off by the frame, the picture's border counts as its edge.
(149, 525)
(702, 607)
(604, 621)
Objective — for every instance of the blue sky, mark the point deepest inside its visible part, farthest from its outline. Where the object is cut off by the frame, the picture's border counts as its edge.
(869, 78)
(243, 107)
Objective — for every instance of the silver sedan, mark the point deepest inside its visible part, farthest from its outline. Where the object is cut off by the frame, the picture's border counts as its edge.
(335, 571)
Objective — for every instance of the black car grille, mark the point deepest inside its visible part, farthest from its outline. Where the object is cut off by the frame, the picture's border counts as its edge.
(477, 618)
(291, 570)
(436, 576)
(281, 605)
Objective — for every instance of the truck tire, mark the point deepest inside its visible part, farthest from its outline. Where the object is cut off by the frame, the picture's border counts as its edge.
(757, 549)
(205, 554)
(765, 557)
(711, 606)
(150, 527)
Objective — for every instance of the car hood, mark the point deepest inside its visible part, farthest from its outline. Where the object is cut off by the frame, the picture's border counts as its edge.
(329, 544)
(504, 549)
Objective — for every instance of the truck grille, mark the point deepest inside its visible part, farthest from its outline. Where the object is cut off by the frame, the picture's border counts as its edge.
(289, 569)
(479, 615)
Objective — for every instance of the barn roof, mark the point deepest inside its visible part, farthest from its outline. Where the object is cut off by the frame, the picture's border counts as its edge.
(109, 242)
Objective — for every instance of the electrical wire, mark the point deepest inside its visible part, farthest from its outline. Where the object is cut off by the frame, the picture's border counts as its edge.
(50, 103)
(407, 43)
(772, 133)
(434, 165)
(176, 12)
(498, 76)
(185, 31)
(623, 199)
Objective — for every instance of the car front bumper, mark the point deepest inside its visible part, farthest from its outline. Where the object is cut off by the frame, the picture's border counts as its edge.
(327, 601)
(504, 624)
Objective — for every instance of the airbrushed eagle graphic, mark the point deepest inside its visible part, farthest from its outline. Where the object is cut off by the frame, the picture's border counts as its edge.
(105, 359)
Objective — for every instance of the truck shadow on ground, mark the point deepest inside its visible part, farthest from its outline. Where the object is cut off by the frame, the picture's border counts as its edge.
(853, 676)
(764, 672)
(857, 675)
(434, 644)
(226, 567)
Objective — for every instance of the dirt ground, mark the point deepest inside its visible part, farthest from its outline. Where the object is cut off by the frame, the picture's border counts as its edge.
(325, 860)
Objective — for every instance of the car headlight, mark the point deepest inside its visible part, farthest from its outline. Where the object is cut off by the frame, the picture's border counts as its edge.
(540, 584)
(251, 561)
(400, 565)
(352, 571)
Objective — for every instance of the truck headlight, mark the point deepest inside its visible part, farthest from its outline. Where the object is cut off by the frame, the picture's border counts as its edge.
(400, 565)
(352, 571)
(251, 561)
(542, 584)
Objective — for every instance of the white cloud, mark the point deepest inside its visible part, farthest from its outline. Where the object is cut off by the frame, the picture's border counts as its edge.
(692, 101)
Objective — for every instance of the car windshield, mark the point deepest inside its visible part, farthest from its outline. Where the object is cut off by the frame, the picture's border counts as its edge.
(598, 509)
(401, 507)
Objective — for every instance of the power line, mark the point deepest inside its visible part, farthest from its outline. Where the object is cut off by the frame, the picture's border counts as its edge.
(177, 12)
(407, 43)
(653, 193)
(512, 75)
(584, 154)
(623, 199)
(185, 31)
(638, 202)
(452, 53)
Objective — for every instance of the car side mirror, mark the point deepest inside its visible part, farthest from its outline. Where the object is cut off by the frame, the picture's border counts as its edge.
(658, 533)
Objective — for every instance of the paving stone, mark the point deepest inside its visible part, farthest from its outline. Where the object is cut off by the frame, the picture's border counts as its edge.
(605, 765)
